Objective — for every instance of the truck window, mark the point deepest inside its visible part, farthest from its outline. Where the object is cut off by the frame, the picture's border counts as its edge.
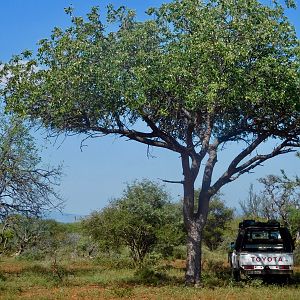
(263, 240)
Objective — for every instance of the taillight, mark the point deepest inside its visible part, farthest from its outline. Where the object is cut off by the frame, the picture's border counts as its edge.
(284, 267)
(248, 267)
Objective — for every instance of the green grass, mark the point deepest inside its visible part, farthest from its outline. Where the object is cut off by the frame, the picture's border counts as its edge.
(87, 280)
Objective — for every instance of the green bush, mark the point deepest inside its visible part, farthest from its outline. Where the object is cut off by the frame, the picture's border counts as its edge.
(179, 252)
(32, 254)
(297, 255)
(147, 275)
(2, 277)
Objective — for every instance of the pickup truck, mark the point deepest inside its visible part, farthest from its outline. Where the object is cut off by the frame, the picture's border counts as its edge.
(262, 248)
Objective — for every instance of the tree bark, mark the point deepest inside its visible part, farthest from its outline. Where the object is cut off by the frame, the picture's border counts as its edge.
(194, 223)
(193, 261)
(194, 216)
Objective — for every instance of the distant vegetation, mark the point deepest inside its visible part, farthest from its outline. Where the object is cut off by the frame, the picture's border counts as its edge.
(142, 226)
(130, 248)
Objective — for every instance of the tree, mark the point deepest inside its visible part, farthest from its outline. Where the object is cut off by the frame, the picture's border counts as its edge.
(217, 222)
(252, 206)
(278, 198)
(136, 221)
(280, 195)
(26, 232)
(25, 186)
(6, 235)
(196, 76)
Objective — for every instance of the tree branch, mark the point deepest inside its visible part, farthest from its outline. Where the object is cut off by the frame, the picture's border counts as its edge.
(172, 181)
(251, 163)
(206, 137)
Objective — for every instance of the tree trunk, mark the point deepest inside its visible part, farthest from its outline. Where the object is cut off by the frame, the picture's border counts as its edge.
(194, 218)
(195, 223)
(193, 260)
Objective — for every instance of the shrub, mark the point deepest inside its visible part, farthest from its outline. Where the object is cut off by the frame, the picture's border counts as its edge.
(297, 254)
(147, 275)
(179, 252)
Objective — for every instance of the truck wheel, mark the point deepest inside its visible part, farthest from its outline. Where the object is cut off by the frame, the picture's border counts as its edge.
(286, 279)
(236, 274)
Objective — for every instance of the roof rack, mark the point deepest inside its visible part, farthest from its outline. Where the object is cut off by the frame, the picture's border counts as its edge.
(253, 223)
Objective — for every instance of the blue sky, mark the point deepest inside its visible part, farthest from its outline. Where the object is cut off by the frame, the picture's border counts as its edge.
(101, 170)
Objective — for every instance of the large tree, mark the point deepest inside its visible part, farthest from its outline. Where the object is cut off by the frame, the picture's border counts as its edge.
(196, 76)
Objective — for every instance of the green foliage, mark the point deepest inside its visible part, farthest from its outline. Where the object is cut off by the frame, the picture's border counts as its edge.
(234, 59)
(34, 239)
(230, 234)
(142, 219)
(171, 233)
(27, 232)
(114, 261)
(297, 255)
(148, 275)
(219, 217)
(294, 219)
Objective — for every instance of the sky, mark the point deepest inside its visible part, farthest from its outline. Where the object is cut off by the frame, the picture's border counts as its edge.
(100, 170)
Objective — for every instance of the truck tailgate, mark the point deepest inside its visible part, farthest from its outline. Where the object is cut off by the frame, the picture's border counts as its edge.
(265, 259)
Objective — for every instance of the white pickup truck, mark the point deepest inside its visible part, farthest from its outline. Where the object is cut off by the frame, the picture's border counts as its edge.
(261, 248)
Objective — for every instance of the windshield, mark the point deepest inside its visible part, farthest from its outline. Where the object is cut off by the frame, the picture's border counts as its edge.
(263, 240)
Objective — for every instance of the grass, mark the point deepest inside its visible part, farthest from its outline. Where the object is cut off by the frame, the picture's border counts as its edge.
(87, 280)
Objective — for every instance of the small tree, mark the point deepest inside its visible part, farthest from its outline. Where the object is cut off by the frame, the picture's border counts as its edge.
(277, 200)
(136, 220)
(27, 232)
(196, 76)
(252, 206)
(6, 236)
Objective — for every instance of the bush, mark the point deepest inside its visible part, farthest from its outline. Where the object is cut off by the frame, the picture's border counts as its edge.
(179, 252)
(147, 275)
(2, 277)
(32, 254)
(297, 255)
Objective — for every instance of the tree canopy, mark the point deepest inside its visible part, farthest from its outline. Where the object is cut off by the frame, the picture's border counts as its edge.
(198, 74)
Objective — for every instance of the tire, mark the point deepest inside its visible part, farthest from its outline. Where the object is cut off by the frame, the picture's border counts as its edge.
(236, 274)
